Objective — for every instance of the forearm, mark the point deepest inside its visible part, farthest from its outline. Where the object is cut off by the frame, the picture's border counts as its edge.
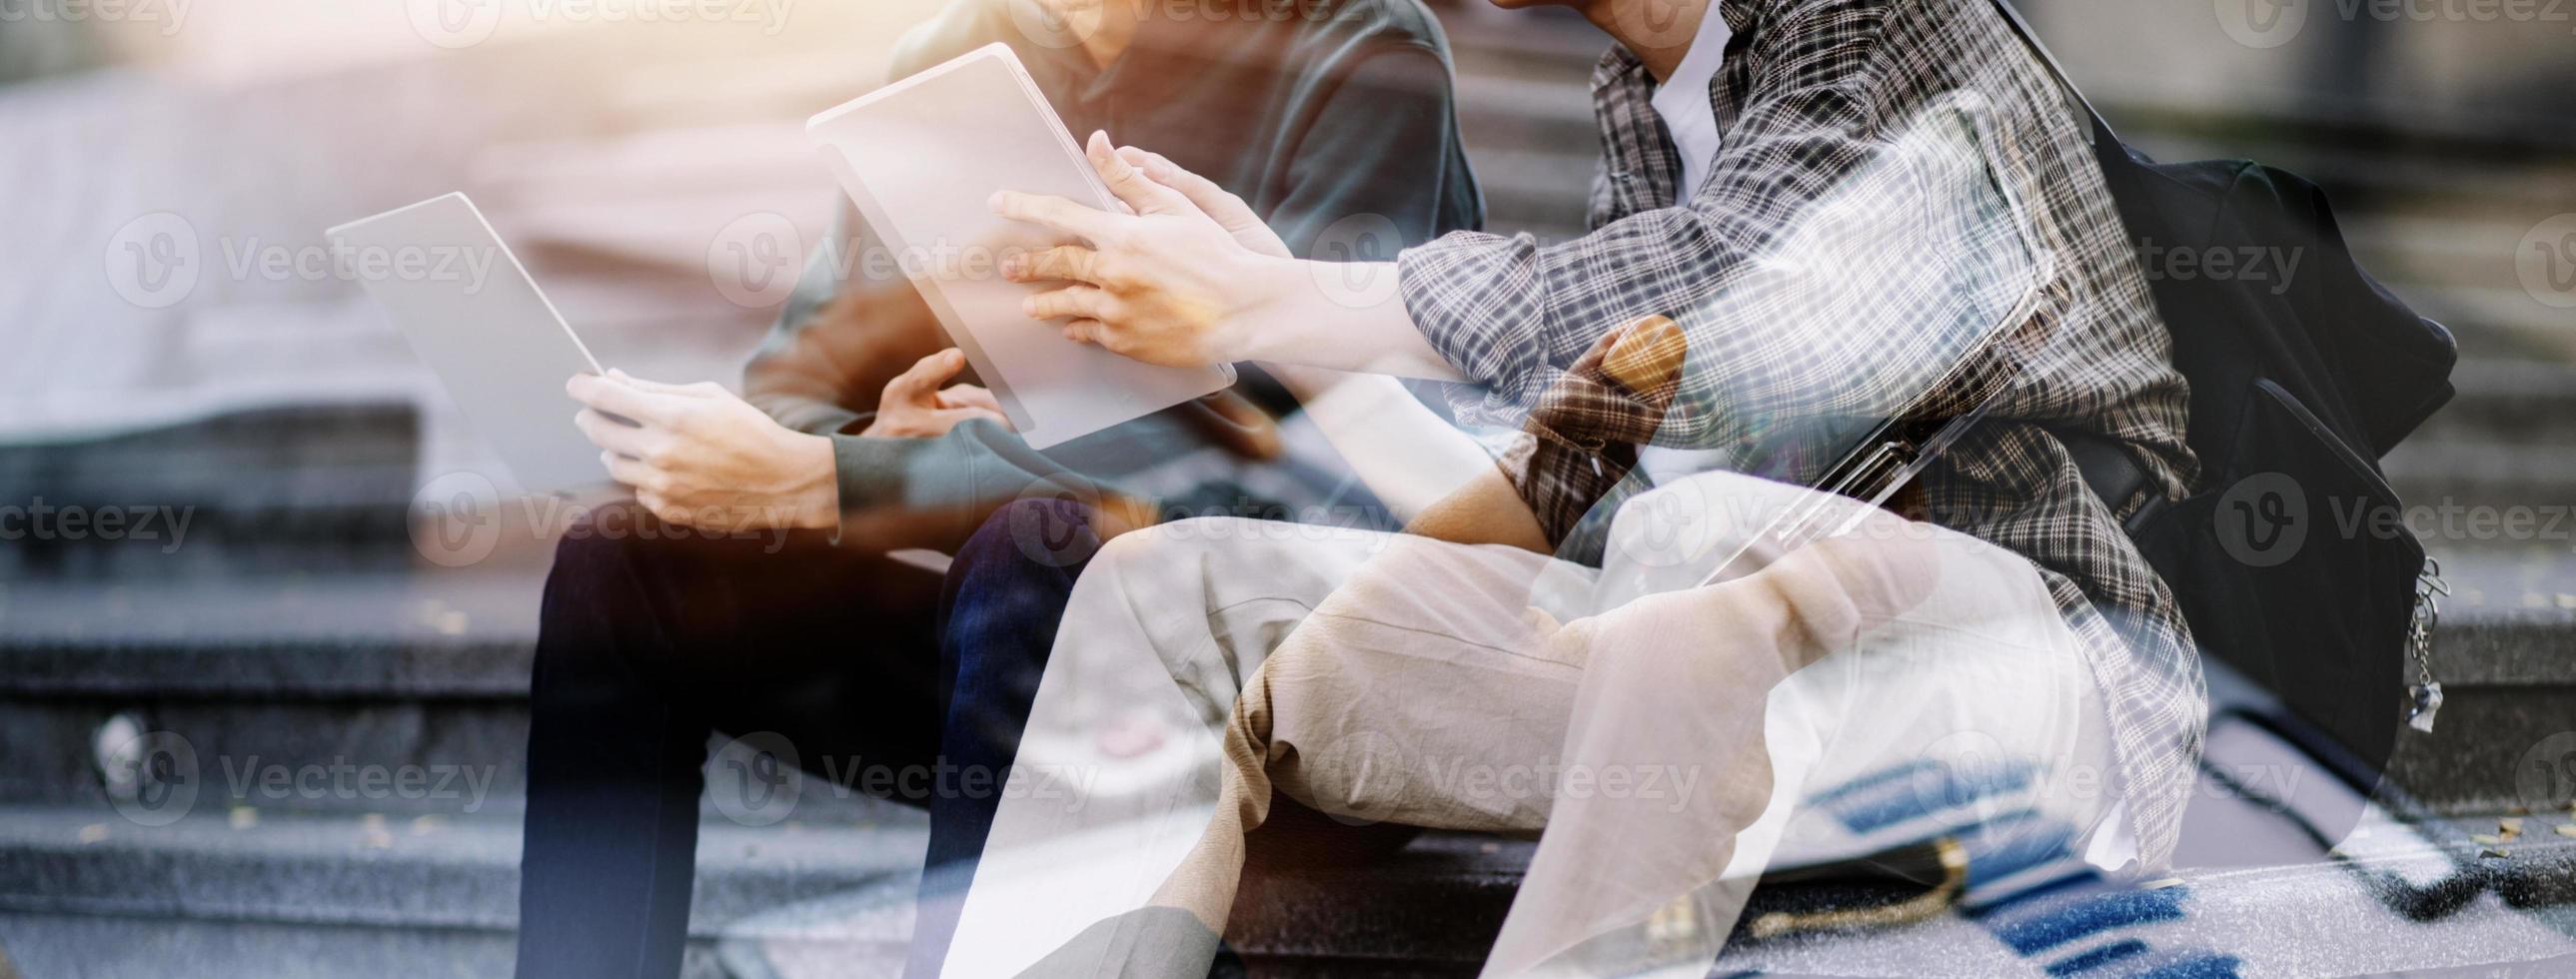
(1408, 457)
(934, 492)
(1485, 510)
(1342, 316)
(922, 492)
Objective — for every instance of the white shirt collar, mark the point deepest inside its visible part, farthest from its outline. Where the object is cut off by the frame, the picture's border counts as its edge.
(1683, 101)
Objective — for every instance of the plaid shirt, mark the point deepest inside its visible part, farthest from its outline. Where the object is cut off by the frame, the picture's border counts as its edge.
(1783, 323)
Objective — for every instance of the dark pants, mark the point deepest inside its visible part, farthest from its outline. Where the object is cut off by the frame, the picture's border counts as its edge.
(652, 640)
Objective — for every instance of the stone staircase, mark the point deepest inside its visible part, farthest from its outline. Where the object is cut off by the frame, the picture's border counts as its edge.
(301, 639)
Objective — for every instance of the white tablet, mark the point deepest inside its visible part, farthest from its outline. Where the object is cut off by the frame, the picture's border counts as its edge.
(474, 316)
(921, 158)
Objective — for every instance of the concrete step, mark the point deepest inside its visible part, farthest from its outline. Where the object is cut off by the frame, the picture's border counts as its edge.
(2479, 472)
(428, 673)
(419, 677)
(2522, 402)
(1428, 909)
(85, 891)
(322, 488)
(2509, 684)
(1434, 908)
(221, 896)
(410, 672)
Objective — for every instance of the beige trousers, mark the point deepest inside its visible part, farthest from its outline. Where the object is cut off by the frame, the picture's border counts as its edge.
(1656, 732)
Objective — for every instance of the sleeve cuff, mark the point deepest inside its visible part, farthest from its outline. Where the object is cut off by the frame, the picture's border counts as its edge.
(1477, 301)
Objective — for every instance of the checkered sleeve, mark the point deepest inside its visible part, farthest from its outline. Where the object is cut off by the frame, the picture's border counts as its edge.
(1875, 300)
(1585, 428)
(1831, 265)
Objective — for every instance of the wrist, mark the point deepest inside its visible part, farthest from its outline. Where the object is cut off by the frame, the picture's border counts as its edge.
(1282, 308)
(818, 485)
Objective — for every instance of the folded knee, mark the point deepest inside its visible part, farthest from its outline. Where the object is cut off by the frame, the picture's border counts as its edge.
(1042, 533)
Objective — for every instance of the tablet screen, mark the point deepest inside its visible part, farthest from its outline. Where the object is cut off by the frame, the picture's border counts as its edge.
(922, 158)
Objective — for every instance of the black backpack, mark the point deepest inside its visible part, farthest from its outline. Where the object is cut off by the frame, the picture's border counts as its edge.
(2291, 563)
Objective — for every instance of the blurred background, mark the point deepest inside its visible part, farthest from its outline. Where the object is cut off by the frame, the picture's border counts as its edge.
(178, 348)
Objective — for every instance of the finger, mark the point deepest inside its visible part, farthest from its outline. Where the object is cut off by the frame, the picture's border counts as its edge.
(1058, 214)
(1080, 302)
(954, 417)
(610, 434)
(698, 390)
(1063, 263)
(662, 507)
(1130, 183)
(1217, 202)
(632, 472)
(968, 396)
(921, 381)
(624, 400)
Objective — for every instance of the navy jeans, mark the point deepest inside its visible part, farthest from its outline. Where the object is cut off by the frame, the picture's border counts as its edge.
(652, 640)
(998, 612)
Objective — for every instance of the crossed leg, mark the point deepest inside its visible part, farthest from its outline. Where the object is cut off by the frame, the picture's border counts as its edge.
(1202, 665)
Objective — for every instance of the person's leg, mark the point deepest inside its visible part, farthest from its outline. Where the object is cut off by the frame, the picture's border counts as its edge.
(1899, 647)
(1418, 691)
(651, 638)
(998, 611)
(610, 833)
(1124, 761)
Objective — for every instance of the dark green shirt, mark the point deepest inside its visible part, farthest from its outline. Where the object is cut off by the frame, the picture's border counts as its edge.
(1332, 118)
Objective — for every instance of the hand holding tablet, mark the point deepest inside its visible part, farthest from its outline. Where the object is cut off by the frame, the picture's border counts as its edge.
(923, 159)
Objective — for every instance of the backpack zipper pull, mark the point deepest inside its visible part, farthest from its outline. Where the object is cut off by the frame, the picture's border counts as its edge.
(2424, 697)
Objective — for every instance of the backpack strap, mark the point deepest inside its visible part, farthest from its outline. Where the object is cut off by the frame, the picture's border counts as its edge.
(2101, 130)
(2109, 470)
(2112, 474)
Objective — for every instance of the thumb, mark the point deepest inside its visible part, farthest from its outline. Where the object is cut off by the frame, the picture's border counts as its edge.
(657, 387)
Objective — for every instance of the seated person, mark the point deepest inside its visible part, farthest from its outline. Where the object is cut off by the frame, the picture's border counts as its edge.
(685, 615)
(1349, 669)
